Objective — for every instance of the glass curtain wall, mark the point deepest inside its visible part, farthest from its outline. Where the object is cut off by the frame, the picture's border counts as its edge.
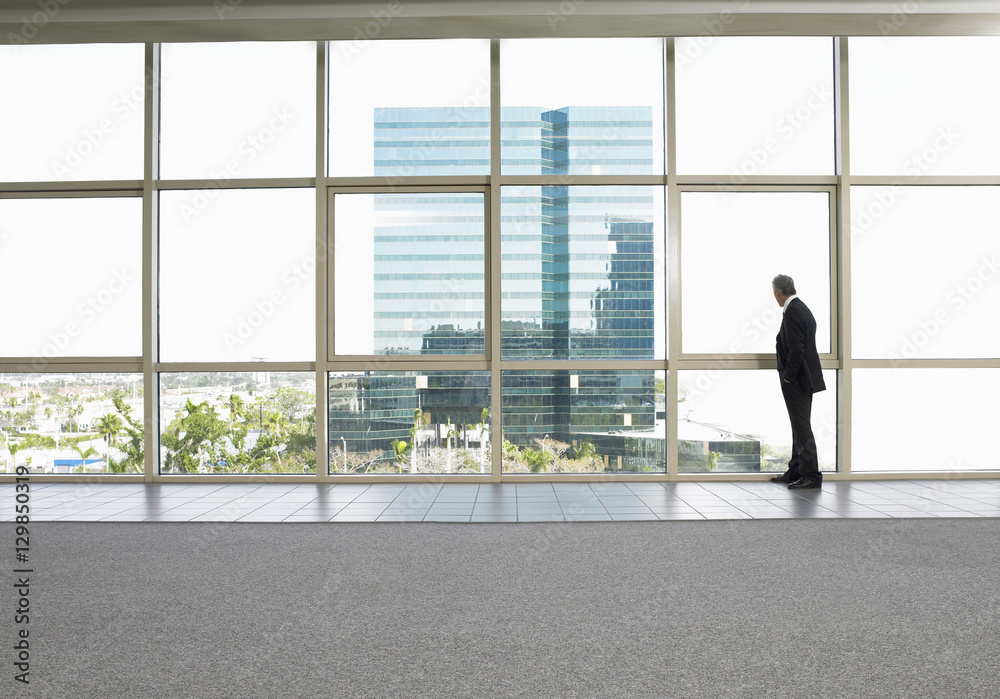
(329, 262)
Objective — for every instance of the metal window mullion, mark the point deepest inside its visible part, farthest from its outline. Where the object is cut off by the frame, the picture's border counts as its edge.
(324, 266)
(108, 188)
(75, 193)
(843, 231)
(396, 362)
(926, 180)
(493, 281)
(235, 183)
(414, 187)
(150, 265)
(580, 180)
(181, 367)
(926, 363)
(413, 363)
(397, 183)
(828, 186)
(582, 364)
(54, 365)
(721, 183)
(672, 252)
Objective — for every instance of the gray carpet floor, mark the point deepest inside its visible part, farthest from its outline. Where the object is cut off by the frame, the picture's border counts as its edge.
(786, 608)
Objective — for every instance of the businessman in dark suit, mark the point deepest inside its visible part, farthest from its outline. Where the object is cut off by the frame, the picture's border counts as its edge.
(801, 376)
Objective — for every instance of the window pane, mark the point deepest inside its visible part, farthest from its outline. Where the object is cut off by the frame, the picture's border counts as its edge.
(401, 108)
(237, 275)
(71, 423)
(410, 422)
(238, 422)
(733, 244)
(72, 282)
(755, 106)
(924, 266)
(409, 274)
(924, 419)
(734, 421)
(71, 112)
(582, 272)
(583, 421)
(601, 114)
(238, 109)
(925, 105)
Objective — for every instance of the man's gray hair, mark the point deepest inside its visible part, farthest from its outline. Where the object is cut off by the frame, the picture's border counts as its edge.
(784, 285)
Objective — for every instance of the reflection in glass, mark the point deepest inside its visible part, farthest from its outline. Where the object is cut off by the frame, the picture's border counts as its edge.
(238, 422)
(736, 421)
(923, 105)
(755, 106)
(931, 255)
(238, 109)
(71, 284)
(732, 246)
(237, 276)
(410, 422)
(583, 421)
(71, 112)
(409, 274)
(602, 114)
(71, 423)
(924, 419)
(582, 272)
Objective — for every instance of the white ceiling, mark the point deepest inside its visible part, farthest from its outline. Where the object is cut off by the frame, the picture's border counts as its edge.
(68, 21)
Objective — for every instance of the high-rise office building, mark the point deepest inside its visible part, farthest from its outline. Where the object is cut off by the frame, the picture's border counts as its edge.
(577, 268)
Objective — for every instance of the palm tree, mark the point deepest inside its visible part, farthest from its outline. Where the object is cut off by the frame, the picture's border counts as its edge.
(277, 425)
(418, 420)
(399, 449)
(109, 428)
(236, 406)
(84, 455)
(484, 431)
(449, 433)
(13, 447)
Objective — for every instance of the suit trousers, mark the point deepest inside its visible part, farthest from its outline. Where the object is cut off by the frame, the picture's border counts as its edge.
(804, 461)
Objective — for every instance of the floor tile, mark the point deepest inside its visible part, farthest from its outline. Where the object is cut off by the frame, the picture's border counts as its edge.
(590, 510)
(539, 502)
(493, 518)
(626, 510)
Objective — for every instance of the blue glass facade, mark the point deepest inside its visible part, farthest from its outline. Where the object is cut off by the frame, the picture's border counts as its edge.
(429, 273)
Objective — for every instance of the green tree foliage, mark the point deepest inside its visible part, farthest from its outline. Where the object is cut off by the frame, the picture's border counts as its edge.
(109, 427)
(193, 439)
(538, 460)
(36, 441)
(84, 455)
(132, 444)
(200, 440)
(400, 450)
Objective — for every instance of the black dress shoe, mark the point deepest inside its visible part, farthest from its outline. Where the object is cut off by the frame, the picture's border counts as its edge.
(805, 483)
(784, 478)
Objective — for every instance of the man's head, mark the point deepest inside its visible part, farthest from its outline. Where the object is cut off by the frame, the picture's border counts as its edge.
(783, 288)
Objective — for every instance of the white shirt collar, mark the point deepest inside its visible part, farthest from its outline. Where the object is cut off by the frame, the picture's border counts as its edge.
(788, 301)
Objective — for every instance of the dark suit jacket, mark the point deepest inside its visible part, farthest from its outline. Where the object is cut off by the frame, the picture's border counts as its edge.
(798, 360)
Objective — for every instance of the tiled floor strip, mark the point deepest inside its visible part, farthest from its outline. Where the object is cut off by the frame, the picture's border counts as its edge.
(509, 502)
